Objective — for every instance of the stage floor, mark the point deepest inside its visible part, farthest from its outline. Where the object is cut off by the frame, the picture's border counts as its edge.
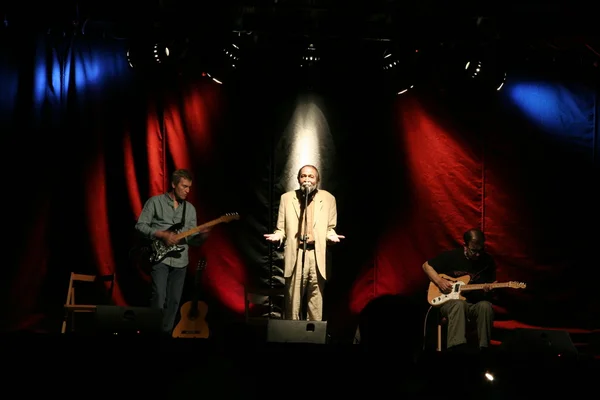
(77, 366)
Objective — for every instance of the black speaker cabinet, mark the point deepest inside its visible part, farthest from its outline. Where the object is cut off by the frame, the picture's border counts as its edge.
(540, 342)
(128, 320)
(288, 331)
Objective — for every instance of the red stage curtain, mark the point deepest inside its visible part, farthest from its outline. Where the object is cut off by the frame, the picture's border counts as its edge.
(471, 169)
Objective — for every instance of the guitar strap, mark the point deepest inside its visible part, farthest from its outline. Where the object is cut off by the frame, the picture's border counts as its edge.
(183, 215)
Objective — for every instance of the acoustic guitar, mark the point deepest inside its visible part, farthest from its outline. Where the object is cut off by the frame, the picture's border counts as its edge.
(435, 297)
(193, 313)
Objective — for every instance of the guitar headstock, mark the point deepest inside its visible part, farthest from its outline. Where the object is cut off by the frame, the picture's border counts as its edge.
(229, 217)
(517, 285)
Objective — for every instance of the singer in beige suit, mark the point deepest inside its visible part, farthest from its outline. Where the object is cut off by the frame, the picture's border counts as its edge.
(322, 220)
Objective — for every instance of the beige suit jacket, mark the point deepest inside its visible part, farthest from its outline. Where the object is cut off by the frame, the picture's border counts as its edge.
(288, 224)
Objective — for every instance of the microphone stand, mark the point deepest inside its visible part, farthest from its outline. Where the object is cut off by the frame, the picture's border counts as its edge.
(304, 240)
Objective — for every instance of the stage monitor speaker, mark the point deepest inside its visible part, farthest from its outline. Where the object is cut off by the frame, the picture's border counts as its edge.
(540, 342)
(128, 320)
(289, 331)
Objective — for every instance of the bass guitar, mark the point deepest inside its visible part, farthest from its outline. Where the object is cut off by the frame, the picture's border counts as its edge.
(193, 313)
(435, 297)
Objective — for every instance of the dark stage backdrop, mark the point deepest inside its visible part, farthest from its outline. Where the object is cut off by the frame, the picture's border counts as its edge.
(87, 141)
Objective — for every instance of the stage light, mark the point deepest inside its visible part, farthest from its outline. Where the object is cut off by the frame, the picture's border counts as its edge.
(485, 68)
(208, 75)
(129, 59)
(400, 67)
(310, 73)
(486, 73)
(310, 57)
(148, 54)
(160, 52)
(502, 82)
(474, 69)
(232, 53)
(221, 61)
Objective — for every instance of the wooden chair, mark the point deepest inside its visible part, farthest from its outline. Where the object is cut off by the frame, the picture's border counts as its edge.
(72, 307)
(441, 324)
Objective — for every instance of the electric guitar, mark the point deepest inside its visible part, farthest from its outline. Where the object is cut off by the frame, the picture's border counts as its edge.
(158, 250)
(193, 313)
(435, 297)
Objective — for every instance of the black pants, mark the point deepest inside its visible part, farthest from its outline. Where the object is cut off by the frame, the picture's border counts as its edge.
(167, 288)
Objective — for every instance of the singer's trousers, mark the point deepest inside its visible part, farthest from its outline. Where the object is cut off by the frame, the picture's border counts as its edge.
(313, 284)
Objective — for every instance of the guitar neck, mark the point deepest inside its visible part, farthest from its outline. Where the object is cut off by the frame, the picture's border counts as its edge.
(480, 286)
(197, 229)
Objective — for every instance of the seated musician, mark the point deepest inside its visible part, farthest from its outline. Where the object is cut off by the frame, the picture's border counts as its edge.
(469, 259)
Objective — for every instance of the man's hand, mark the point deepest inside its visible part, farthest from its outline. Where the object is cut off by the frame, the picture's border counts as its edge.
(335, 238)
(488, 286)
(444, 284)
(168, 237)
(273, 237)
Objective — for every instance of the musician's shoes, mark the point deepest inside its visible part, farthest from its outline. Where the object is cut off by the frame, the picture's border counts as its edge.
(464, 350)
(486, 353)
(460, 348)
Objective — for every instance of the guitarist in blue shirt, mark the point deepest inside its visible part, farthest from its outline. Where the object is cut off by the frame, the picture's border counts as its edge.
(161, 218)
(472, 260)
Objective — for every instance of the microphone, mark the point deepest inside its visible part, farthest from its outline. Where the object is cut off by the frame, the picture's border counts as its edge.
(307, 187)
